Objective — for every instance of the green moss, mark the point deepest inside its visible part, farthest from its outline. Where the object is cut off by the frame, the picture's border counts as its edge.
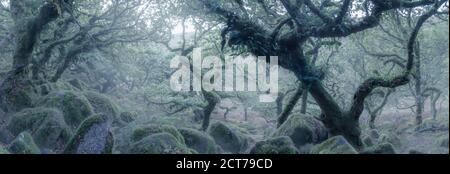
(385, 148)
(104, 105)
(24, 144)
(160, 143)
(228, 139)
(199, 141)
(303, 130)
(334, 145)
(143, 131)
(46, 125)
(92, 137)
(3, 150)
(128, 117)
(278, 145)
(74, 106)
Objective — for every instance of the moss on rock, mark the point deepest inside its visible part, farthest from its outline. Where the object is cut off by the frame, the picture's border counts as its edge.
(159, 143)
(199, 141)
(228, 139)
(24, 144)
(303, 130)
(334, 145)
(279, 145)
(92, 137)
(46, 125)
(104, 105)
(74, 106)
(385, 148)
(146, 130)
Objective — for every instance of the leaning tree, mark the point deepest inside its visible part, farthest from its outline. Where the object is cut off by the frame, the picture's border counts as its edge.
(282, 28)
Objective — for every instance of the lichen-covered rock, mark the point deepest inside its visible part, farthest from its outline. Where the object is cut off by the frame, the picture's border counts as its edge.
(104, 105)
(74, 106)
(385, 148)
(128, 116)
(3, 150)
(415, 152)
(228, 139)
(279, 145)
(160, 143)
(92, 137)
(199, 141)
(145, 130)
(46, 125)
(334, 145)
(303, 130)
(24, 144)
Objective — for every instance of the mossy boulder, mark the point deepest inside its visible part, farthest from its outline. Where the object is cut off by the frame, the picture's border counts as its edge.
(159, 143)
(279, 145)
(74, 106)
(368, 141)
(46, 125)
(391, 138)
(303, 130)
(334, 145)
(24, 144)
(146, 130)
(230, 140)
(199, 141)
(128, 116)
(385, 148)
(104, 105)
(92, 137)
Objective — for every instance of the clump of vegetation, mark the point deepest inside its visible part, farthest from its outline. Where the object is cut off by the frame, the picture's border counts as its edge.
(230, 140)
(303, 130)
(384, 148)
(159, 143)
(24, 144)
(334, 145)
(279, 145)
(199, 141)
(143, 131)
(104, 105)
